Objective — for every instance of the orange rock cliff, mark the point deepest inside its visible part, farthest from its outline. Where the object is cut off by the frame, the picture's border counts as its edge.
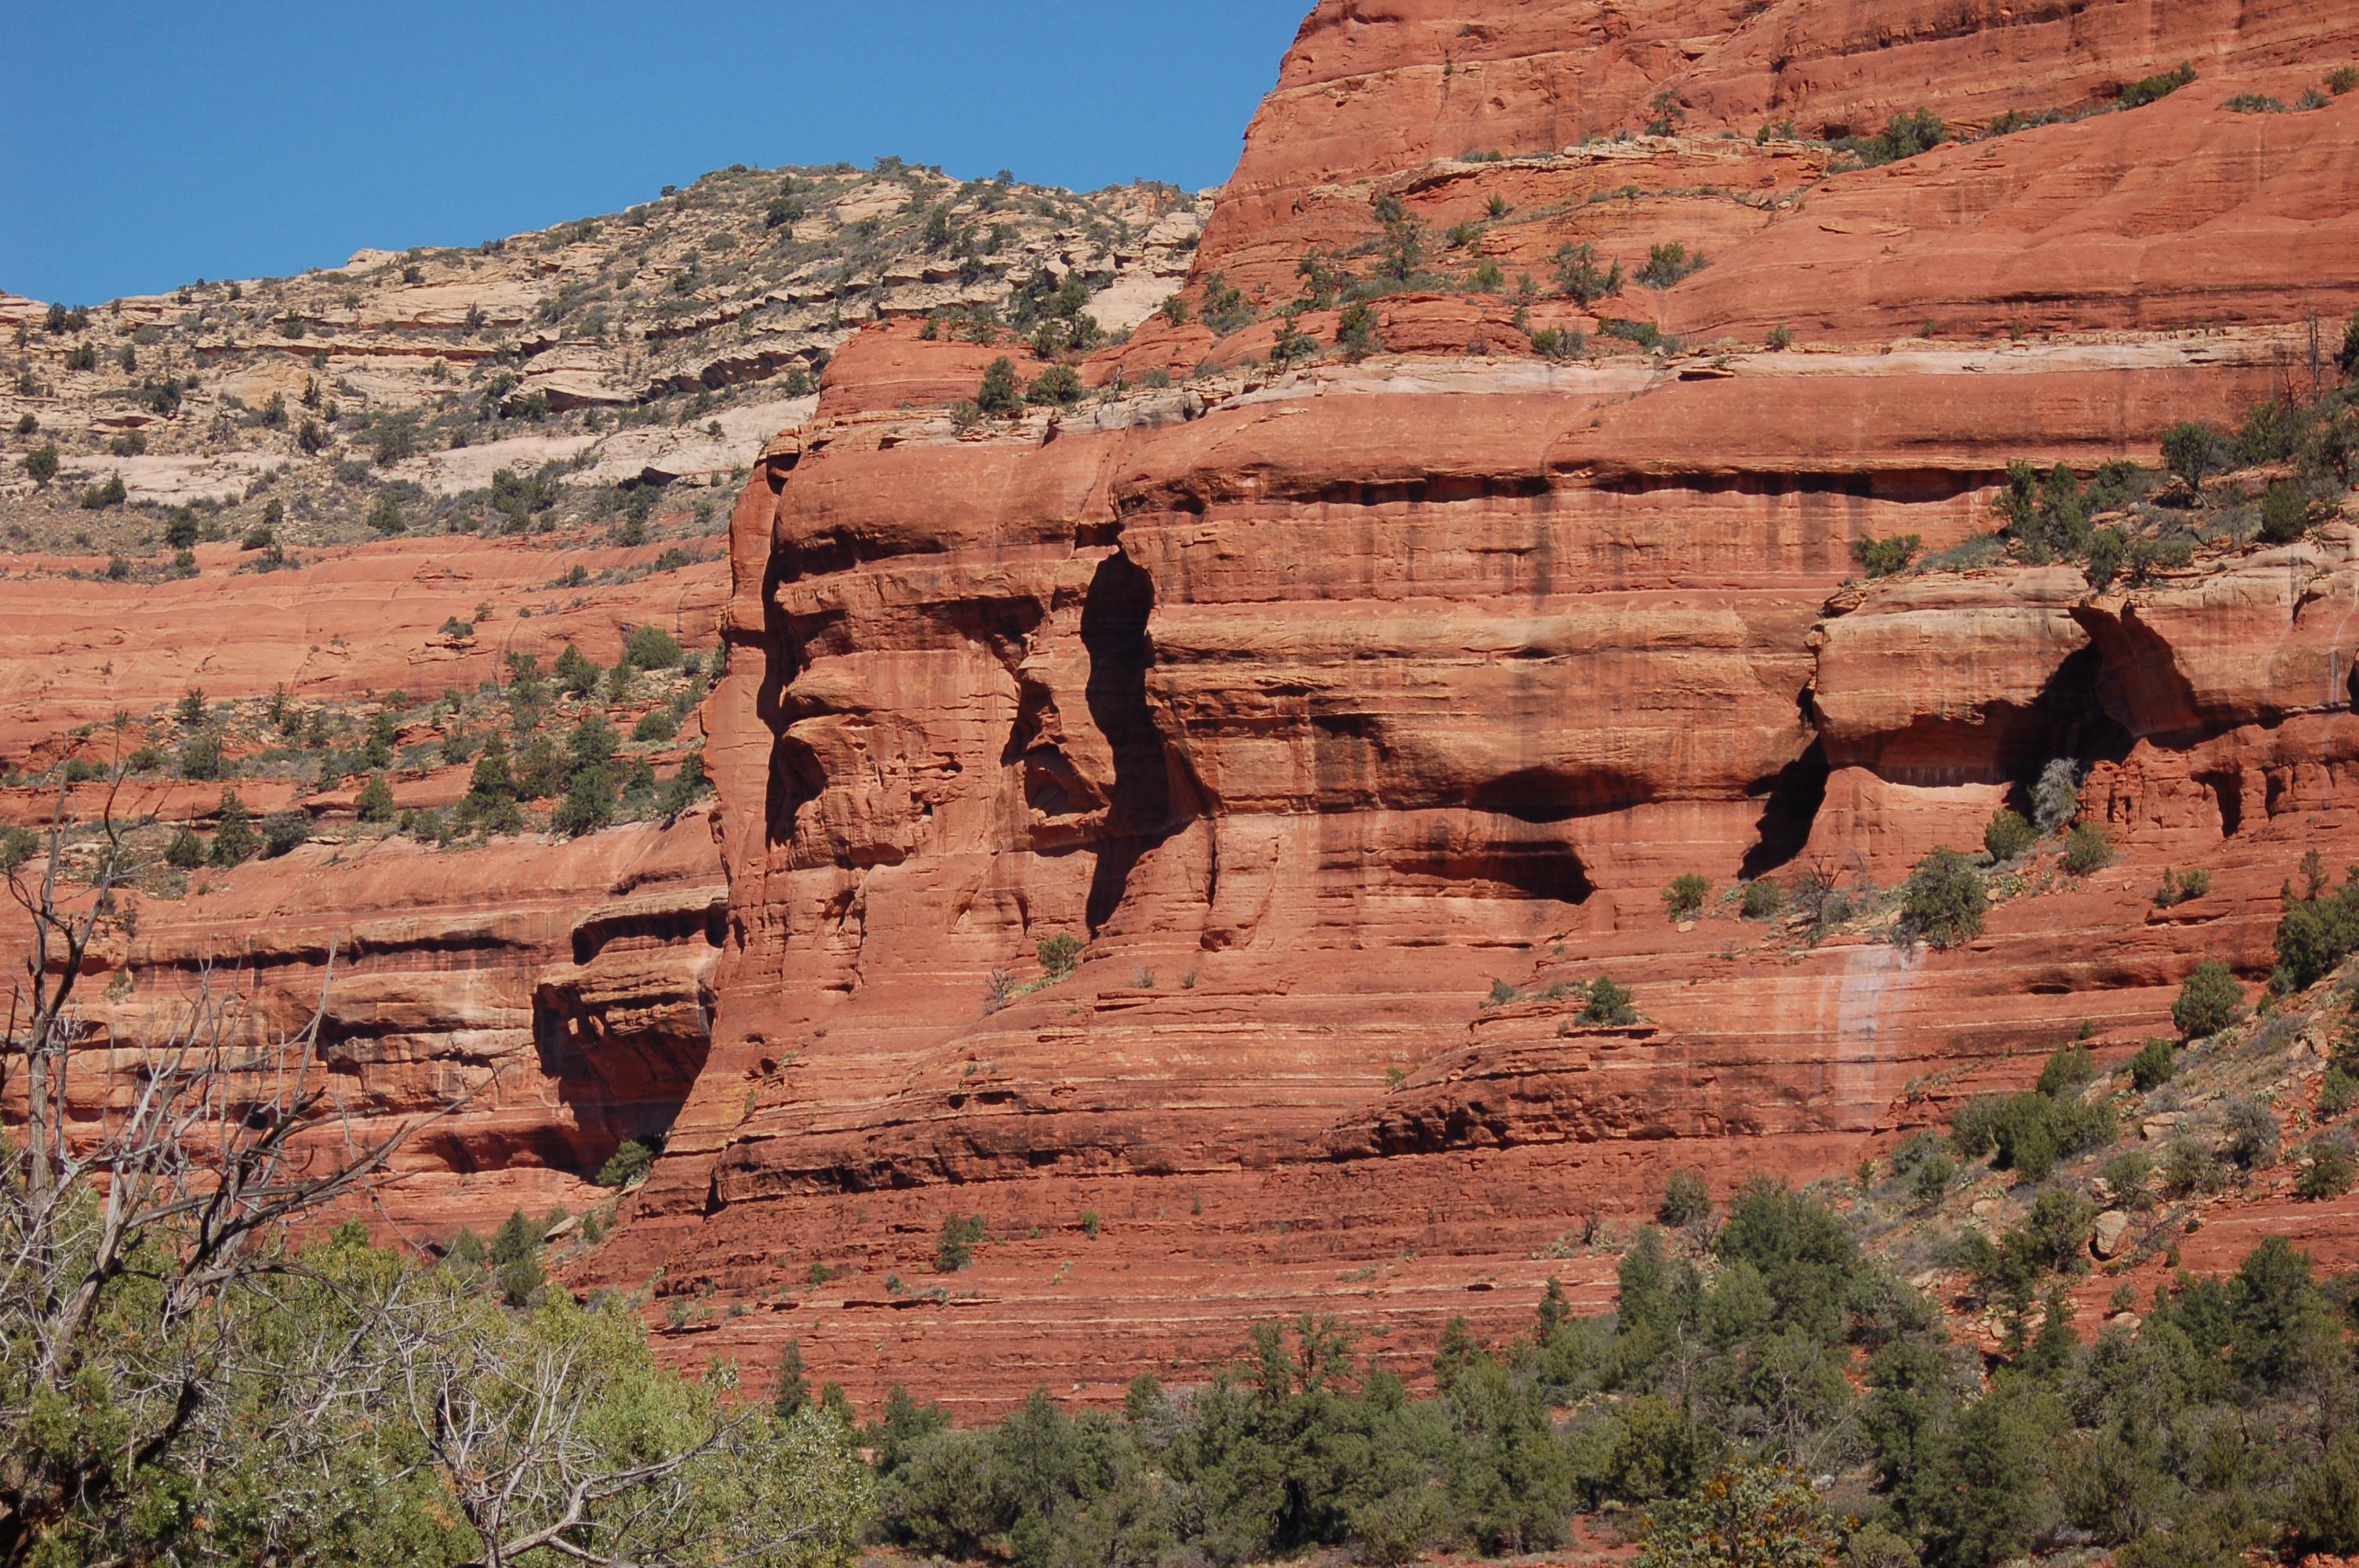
(1350, 708)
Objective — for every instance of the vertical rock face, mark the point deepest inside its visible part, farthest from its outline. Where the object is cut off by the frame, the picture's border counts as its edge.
(1352, 716)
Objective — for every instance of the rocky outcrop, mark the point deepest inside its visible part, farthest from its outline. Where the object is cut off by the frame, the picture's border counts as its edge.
(1354, 716)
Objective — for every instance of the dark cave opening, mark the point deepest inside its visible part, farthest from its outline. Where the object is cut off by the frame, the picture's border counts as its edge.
(1113, 631)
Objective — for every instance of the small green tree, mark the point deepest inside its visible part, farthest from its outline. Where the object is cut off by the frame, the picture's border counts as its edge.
(1608, 1006)
(961, 1233)
(2008, 836)
(2209, 1000)
(2194, 452)
(1060, 954)
(1684, 900)
(41, 462)
(186, 852)
(1944, 902)
(235, 841)
(1748, 1516)
(2087, 849)
(1765, 898)
(1686, 1200)
(1001, 396)
(2156, 1064)
(375, 801)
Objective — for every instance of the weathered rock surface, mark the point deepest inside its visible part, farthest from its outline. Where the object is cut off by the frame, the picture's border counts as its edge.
(1317, 703)
(1352, 716)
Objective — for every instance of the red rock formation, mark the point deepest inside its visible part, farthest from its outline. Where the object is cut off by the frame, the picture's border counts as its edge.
(1353, 715)
(1319, 703)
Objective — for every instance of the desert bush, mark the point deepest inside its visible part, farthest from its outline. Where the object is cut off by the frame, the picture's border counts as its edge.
(1608, 1006)
(1001, 396)
(2087, 849)
(1765, 898)
(1903, 137)
(2056, 797)
(2008, 836)
(2254, 1140)
(954, 1249)
(1668, 264)
(2330, 1167)
(2177, 889)
(2156, 1064)
(2194, 452)
(1684, 900)
(1884, 558)
(633, 1158)
(2210, 1000)
(1058, 386)
(1579, 276)
(1944, 902)
(1060, 954)
(1686, 1199)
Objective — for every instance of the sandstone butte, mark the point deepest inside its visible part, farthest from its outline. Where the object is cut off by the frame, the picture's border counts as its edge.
(1319, 703)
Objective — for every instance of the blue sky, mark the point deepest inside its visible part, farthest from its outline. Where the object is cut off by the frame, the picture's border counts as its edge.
(146, 144)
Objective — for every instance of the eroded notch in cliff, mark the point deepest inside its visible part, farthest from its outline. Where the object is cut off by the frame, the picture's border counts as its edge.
(1141, 813)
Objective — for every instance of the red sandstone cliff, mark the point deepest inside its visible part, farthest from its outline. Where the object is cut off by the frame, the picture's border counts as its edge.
(1321, 704)
(1318, 702)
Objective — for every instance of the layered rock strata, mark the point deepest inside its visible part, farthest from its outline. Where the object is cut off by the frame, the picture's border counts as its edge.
(1349, 716)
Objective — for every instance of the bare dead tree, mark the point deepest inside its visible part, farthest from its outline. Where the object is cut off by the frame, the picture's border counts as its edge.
(162, 1329)
(181, 1193)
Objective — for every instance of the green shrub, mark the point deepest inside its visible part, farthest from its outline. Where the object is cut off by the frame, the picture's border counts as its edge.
(2190, 1169)
(2177, 889)
(2073, 1068)
(2008, 836)
(576, 673)
(961, 1233)
(2254, 103)
(1579, 277)
(2156, 1064)
(1944, 902)
(2087, 849)
(1001, 396)
(375, 801)
(1556, 343)
(1060, 954)
(2316, 934)
(107, 493)
(283, 832)
(2253, 1139)
(2194, 452)
(234, 839)
(1932, 1176)
(1903, 137)
(655, 725)
(186, 852)
(1058, 386)
(1765, 898)
(2285, 513)
(200, 756)
(2337, 1093)
(1356, 331)
(41, 463)
(631, 1160)
(650, 648)
(2325, 1515)
(1686, 1200)
(2138, 94)
(1668, 264)
(1886, 557)
(1684, 900)
(2329, 1168)
(2210, 1000)
(1608, 1006)
(2128, 1174)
